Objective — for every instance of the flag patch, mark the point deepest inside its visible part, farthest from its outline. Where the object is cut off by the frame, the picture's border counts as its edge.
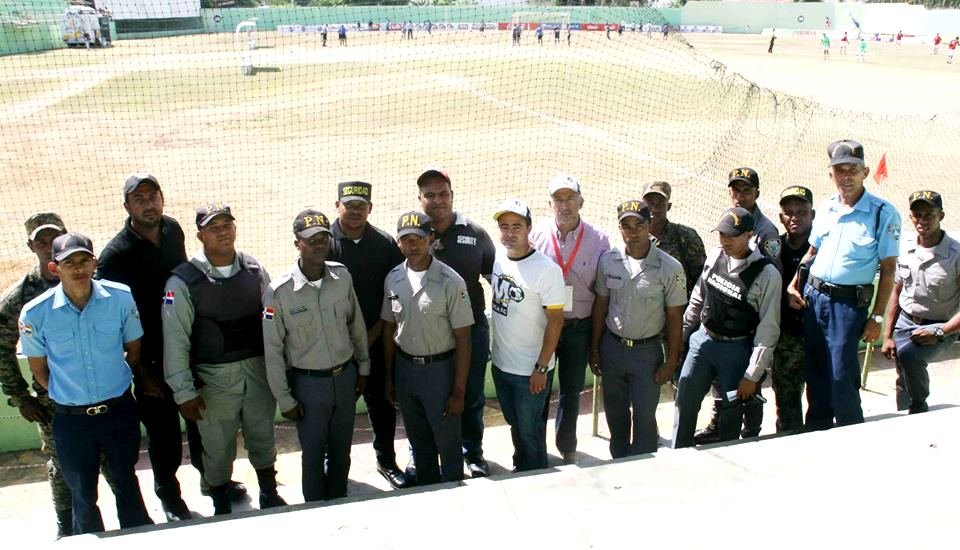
(268, 314)
(25, 329)
(168, 298)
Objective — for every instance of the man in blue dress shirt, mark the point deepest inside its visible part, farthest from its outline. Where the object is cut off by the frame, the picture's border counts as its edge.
(74, 336)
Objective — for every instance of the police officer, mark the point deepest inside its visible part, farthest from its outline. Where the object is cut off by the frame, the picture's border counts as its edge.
(640, 292)
(213, 355)
(81, 339)
(466, 247)
(679, 241)
(796, 215)
(575, 245)
(732, 325)
(42, 228)
(853, 234)
(369, 254)
(925, 301)
(313, 331)
(427, 318)
(142, 256)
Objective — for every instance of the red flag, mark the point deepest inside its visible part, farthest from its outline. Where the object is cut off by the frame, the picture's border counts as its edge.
(881, 172)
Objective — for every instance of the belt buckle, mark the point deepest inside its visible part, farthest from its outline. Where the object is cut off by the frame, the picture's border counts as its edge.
(418, 360)
(336, 370)
(95, 410)
(627, 342)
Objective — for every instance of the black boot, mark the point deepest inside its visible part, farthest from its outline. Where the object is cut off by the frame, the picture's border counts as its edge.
(64, 523)
(221, 500)
(710, 434)
(269, 498)
(174, 508)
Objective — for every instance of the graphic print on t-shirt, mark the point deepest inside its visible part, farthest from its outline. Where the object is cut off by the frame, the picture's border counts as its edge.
(505, 290)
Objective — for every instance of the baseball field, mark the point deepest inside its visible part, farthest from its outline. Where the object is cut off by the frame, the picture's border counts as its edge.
(502, 119)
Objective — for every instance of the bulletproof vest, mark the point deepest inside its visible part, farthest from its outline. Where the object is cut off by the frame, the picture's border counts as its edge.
(226, 323)
(725, 309)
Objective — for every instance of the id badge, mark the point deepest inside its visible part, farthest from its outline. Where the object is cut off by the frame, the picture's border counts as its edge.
(568, 299)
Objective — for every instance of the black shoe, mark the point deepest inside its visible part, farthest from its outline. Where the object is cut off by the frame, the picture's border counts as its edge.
(477, 466)
(175, 509)
(235, 490)
(706, 436)
(221, 502)
(394, 476)
(569, 457)
(271, 500)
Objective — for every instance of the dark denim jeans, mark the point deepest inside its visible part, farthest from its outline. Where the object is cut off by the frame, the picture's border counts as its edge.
(524, 412)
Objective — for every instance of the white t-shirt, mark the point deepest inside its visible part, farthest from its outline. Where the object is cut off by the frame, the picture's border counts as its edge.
(416, 279)
(521, 290)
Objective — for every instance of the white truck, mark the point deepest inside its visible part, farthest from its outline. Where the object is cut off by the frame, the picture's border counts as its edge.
(82, 26)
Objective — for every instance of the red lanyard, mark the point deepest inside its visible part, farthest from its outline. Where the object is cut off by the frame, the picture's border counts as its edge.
(576, 248)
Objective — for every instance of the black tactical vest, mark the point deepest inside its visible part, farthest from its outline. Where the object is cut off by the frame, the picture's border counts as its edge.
(226, 322)
(725, 308)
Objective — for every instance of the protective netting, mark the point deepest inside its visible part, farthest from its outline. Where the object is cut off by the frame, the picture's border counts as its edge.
(271, 119)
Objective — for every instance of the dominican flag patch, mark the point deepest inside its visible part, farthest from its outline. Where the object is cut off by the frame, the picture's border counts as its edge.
(268, 314)
(168, 298)
(25, 329)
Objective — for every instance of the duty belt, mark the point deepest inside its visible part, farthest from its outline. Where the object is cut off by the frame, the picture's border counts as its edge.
(630, 342)
(95, 409)
(425, 359)
(920, 320)
(323, 373)
(840, 291)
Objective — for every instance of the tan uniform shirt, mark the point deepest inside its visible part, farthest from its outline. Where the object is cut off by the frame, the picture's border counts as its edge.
(930, 278)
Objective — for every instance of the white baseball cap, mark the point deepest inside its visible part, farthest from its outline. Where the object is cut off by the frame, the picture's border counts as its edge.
(514, 206)
(564, 181)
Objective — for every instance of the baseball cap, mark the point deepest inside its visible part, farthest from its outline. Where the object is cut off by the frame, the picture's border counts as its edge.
(310, 222)
(658, 187)
(515, 206)
(354, 191)
(735, 222)
(845, 151)
(69, 243)
(929, 197)
(748, 175)
(798, 191)
(136, 180)
(633, 207)
(207, 212)
(413, 223)
(43, 220)
(431, 171)
(564, 181)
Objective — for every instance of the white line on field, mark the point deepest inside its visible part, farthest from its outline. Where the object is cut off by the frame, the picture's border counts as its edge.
(24, 109)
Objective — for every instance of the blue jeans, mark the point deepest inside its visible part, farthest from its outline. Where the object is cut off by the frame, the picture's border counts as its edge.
(573, 351)
(79, 441)
(832, 329)
(524, 412)
(628, 383)
(913, 381)
(722, 360)
(471, 423)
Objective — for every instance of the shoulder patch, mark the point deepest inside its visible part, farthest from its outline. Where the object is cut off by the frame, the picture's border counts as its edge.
(268, 313)
(772, 247)
(169, 297)
(894, 231)
(26, 329)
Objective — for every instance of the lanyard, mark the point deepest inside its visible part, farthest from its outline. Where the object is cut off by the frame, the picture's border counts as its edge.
(576, 248)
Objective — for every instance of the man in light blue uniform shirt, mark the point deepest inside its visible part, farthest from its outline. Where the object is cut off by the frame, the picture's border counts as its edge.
(74, 336)
(853, 234)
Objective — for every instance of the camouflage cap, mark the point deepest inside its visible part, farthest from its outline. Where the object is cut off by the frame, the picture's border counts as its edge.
(43, 220)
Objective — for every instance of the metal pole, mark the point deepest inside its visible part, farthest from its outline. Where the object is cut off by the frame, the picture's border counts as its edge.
(597, 383)
(866, 366)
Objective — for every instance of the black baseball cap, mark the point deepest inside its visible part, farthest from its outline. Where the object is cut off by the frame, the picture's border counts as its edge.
(929, 197)
(43, 220)
(207, 212)
(354, 191)
(735, 222)
(136, 180)
(310, 222)
(70, 243)
(797, 191)
(414, 223)
(432, 171)
(748, 175)
(845, 151)
(633, 207)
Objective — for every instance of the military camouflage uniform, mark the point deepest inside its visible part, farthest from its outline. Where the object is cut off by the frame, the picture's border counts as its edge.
(21, 292)
(684, 245)
(788, 381)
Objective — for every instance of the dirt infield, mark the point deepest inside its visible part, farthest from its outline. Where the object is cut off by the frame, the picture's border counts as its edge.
(502, 119)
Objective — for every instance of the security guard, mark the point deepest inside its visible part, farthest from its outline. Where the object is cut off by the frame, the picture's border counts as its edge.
(213, 355)
(732, 325)
(640, 292)
(426, 323)
(369, 254)
(853, 234)
(42, 228)
(313, 331)
(925, 301)
(82, 339)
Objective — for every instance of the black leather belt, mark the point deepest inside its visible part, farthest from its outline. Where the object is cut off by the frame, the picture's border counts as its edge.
(425, 359)
(840, 291)
(920, 320)
(629, 342)
(94, 409)
(323, 373)
(721, 338)
(571, 322)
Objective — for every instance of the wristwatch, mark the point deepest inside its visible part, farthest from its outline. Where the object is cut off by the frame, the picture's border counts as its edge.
(878, 319)
(938, 332)
(541, 369)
